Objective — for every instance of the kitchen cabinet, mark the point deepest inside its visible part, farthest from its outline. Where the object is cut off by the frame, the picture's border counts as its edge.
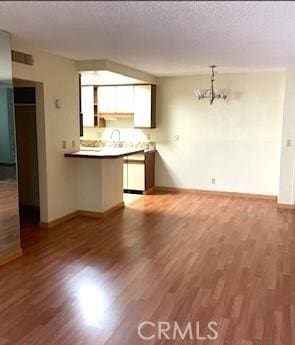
(139, 173)
(87, 105)
(149, 175)
(90, 116)
(106, 99)
(125, 99)
(80, 110)
(137, 102)
(116, 99)
(145, 106)
(134, 180)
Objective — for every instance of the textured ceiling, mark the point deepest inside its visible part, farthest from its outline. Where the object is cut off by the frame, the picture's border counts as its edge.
(162, 38)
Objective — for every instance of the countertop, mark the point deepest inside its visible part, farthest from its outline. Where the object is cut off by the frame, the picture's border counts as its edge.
(103, 153)
(91, 148)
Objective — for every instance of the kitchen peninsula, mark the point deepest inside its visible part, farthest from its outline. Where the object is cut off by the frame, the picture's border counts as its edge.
(100, 179)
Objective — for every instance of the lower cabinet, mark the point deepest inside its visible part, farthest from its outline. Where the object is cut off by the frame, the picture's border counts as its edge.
(134, 176)
(139, 173)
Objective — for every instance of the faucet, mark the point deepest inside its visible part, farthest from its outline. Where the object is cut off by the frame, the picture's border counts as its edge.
(119, 134)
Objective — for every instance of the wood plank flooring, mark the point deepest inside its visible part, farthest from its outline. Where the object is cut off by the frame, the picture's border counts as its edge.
(9, 223)
(167, 257)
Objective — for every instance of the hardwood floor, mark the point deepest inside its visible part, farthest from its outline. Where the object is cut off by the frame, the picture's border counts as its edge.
(9, 223)
(167, 257)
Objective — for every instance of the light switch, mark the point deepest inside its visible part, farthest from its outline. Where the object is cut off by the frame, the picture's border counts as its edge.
(64, 144)
(289, 143)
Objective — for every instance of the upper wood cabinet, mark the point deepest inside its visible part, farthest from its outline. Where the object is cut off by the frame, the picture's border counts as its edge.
(106, 99)
(125, 99)
(145, 106)
(116, 99)
(100, 103)
(87, 105)
(90, 116)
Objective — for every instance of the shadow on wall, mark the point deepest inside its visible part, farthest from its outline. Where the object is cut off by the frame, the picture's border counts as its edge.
(161, 166)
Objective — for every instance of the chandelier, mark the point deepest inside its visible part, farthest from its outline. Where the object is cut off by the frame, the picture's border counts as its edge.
(211, 93)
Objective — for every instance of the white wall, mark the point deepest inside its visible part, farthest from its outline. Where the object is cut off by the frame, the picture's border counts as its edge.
(237, 142)
(58, 78)
(287, 172)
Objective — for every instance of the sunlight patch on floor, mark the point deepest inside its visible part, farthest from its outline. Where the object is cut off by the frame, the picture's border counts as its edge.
(130, 198)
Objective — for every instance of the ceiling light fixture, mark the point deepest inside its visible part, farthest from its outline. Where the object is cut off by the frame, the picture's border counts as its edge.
(211, 93)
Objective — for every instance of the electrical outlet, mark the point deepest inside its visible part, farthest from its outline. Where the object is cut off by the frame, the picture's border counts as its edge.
(176, 138)
(64, 144)
(73, 143)
(98, 135)
(289, 143)
(149, 137)
(213, 180)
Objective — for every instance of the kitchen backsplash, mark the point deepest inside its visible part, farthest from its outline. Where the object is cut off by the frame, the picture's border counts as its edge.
(146, 145)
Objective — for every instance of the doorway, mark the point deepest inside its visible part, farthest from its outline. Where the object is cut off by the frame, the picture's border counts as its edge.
(27, 156)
